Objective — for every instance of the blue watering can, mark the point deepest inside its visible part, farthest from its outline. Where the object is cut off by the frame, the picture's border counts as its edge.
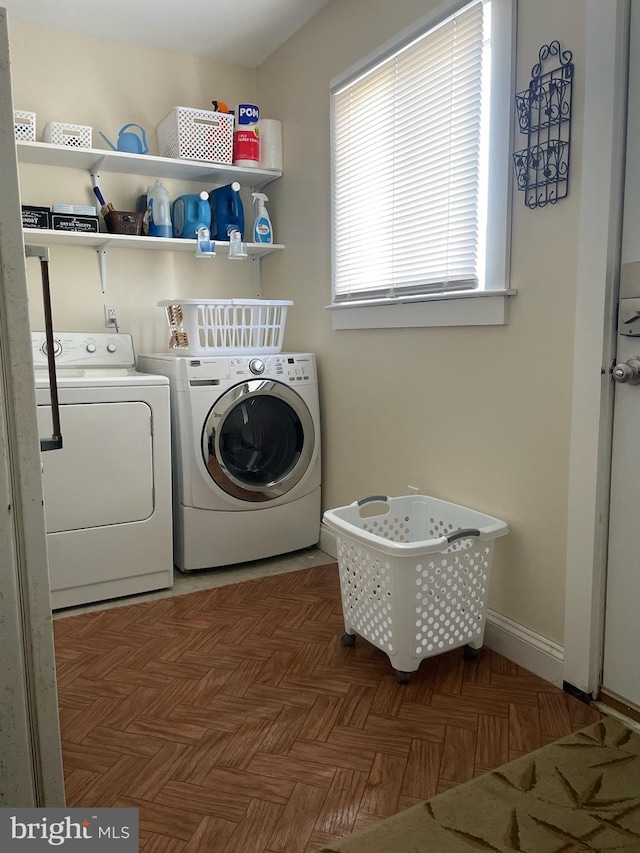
(129, 142)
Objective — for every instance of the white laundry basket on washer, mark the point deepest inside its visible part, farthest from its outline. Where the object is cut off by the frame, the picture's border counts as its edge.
(414, 575)
(226, 326)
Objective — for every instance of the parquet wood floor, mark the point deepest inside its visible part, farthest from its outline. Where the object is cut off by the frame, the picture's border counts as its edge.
(235, 720)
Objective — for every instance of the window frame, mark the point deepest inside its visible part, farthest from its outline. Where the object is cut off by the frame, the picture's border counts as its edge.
(451, 308)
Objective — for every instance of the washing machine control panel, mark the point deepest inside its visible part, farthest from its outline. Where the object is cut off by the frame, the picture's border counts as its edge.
(286, 368)
(291, 369)
(299, 369)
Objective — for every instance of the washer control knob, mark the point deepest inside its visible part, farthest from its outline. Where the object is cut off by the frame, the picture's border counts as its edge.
(256, 365)
(57, 348)
(111, 347)
(91, 347)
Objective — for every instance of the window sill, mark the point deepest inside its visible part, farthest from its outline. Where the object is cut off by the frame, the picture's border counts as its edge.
(478, 308)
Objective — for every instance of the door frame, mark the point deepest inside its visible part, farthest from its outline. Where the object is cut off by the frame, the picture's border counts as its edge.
(31, 767)
(599, 254)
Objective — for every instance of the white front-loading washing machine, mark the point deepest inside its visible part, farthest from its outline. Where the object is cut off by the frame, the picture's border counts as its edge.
(246, 455)
(107, 492)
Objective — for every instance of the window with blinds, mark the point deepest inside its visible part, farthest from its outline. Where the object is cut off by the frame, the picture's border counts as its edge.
(410, 173)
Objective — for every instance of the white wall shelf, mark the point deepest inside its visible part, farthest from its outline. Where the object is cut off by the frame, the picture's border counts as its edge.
(101, 160)
(97, 160)
(49, 237)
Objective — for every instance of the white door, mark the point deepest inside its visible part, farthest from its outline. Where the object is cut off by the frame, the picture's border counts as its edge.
(621, 670)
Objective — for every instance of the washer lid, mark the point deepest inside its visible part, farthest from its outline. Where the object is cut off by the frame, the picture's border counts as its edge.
(98, 378)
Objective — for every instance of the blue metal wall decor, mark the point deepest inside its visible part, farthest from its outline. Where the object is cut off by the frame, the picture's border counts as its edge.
(544, 114)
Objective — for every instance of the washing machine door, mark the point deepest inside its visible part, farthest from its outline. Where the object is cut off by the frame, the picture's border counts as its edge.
(258, 440)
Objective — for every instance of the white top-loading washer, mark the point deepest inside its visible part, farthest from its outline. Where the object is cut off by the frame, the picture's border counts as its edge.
(107, 492)
(246, 449)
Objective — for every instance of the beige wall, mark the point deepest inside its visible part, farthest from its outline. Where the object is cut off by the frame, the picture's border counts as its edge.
(68, 78)
(479, 416)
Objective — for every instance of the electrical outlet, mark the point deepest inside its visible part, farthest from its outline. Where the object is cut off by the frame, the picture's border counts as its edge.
(112, 316)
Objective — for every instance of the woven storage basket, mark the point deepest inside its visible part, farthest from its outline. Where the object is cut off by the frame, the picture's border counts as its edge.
(123, 222)
(24, 125)
(196, 135)
(72, 135)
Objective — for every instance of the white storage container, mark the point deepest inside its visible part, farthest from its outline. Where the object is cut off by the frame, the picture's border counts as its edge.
(414, 575)
(71, 135)
(196, 135)
(226, 326)
(24, 125)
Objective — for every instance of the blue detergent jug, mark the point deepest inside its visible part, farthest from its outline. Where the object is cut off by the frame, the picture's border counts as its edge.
(158, 213)
(227, 212)
(190, 213)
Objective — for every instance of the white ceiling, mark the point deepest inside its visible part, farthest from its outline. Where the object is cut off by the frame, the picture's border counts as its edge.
(243, 32)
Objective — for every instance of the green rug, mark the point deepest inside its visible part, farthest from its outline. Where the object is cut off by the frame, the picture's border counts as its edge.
(579, 793)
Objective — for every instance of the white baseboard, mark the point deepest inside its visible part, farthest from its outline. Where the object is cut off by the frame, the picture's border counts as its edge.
(516, 642)
(524, 647)
(328, 542)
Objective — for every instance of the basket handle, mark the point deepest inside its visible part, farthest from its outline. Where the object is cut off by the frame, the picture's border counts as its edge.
(371, 498)
(463, 533)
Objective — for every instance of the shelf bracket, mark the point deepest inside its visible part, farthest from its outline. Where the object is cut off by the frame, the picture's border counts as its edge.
(95, 178)
(257, 278)
(95, 172)
(101, 252)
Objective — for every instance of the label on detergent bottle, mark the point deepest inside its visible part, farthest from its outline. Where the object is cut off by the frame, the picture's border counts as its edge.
(263, 232)
(178, 217)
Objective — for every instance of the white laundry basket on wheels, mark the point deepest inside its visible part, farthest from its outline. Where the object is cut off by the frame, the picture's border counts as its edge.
(414, 575)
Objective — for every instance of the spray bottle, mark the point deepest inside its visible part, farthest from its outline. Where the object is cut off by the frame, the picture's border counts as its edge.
(262, 230)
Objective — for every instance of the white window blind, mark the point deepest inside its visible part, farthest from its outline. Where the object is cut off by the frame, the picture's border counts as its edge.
(407, 193)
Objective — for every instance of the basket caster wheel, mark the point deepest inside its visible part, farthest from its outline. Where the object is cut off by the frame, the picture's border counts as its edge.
(470, 653)
(402, 677)
(348, 639)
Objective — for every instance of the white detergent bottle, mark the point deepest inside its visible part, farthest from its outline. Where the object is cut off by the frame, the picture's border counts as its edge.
(262, 231)
(159, 211)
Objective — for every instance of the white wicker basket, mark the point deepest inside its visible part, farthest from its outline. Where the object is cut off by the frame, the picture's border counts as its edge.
(71, 135)
(414, 574)
(226, 326)
(196, 135)
(24, 125)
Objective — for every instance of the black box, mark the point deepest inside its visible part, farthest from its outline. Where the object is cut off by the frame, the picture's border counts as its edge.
(35, 217)
(69, 222)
